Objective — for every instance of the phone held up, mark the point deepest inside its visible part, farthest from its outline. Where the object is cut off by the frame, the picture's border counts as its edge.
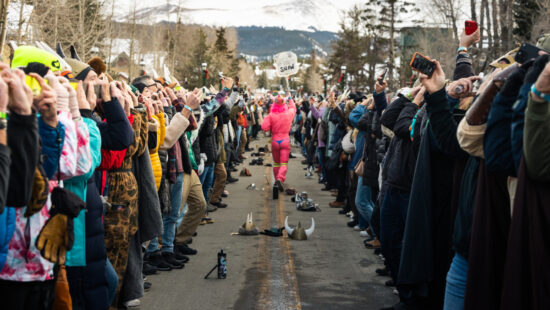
(422, 64)
(383, 76)
(470, 27)
(527, 52)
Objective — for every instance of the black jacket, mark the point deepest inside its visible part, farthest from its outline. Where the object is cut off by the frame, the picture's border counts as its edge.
(25, 154)
(398, 117)
(370, 124)
(207, 140)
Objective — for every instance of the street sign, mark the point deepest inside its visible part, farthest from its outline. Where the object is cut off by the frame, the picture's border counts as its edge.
(286, 64)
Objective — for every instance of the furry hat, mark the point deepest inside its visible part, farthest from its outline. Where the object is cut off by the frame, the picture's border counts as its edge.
(97, 65)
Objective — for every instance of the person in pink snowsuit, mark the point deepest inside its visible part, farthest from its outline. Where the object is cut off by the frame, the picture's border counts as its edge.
(279, 121)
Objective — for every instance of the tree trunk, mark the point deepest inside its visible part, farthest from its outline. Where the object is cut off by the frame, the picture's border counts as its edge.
(20, 24)
(473, 9)
(482, 23)
(497, 38)
(489, 34)
(4, 12)
(392, 48)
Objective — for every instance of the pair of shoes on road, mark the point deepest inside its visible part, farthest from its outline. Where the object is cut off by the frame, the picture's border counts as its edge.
(245, 173)
(337, 204)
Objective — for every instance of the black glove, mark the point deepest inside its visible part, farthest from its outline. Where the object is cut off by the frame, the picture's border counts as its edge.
(535, 70)
(513, 83)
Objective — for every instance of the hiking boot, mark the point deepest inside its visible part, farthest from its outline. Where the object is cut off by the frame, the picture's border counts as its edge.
(219, 204)
(374, 244)
(211, 208)
(336, 204)
(184, 249)
(158, 262)
(149, 269)
(170, 258)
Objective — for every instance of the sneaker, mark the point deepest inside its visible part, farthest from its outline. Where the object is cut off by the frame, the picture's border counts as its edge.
(364, 234)
(349, 214)
(203, 222)
(374, 244)
(291, 156)
(219, 204)
(357, 228)
(157, 260)
(225, 194)
(149, 269)
(211, 208)
(343, 211)
(170, 258)
(395, 292)
(208, 220)
(147, 286)
(184, 249)
(132, 303)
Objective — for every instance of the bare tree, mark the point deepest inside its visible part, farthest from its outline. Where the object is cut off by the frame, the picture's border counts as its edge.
(4, 22)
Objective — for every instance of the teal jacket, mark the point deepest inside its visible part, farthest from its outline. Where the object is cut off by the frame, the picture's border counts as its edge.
(76, 257)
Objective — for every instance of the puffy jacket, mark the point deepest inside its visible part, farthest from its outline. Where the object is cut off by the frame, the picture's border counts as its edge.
(153, 153)
(279, 120)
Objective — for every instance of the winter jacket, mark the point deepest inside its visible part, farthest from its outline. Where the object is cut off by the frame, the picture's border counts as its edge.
(398, 118)
(537, 140)
(318, 114)
(7, 217)
(354, 118)
(22, 142)
(279, 121)
(207, 140)
(153, 153)
(24, 262)
(497, 143)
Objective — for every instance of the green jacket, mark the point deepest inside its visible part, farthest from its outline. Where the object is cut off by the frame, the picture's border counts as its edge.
(536, 141)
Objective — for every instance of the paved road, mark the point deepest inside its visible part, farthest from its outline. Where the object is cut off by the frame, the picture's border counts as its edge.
(332, 270)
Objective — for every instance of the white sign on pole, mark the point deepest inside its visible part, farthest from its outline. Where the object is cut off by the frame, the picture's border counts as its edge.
(286, 64)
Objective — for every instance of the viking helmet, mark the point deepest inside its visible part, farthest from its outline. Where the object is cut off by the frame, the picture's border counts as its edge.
(248, 228)
(299, 233)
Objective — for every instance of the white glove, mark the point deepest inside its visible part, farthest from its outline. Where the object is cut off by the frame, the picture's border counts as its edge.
(204, 157)
(201, 167)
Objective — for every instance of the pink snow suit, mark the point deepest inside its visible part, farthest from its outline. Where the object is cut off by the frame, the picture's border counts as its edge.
(279, 121)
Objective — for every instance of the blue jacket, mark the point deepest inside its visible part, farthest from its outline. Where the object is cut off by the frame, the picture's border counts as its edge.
(7, 227)
(51, 146)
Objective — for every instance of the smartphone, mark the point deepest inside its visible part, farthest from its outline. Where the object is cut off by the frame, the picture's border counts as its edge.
(97, 90)
(33, 84)
(422, 64)
(470, 27)
(383, 76)
(527, 52)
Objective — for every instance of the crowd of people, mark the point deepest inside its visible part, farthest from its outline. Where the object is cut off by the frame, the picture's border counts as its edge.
(447, 179)
(104, 182)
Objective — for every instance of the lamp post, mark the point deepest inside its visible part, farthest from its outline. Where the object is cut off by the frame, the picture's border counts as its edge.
(343, 77)
(204, 73)
(325, 83)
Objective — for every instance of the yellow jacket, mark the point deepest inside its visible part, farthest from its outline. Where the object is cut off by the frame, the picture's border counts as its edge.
(153, 153)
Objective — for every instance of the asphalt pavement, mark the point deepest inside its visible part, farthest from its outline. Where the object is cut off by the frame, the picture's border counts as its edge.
(331, 270)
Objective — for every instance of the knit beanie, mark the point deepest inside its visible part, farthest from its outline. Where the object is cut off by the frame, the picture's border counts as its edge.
(23, 55)
(80, 69)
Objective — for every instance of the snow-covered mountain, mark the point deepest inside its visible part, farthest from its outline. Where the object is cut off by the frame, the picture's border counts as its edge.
(290, 14)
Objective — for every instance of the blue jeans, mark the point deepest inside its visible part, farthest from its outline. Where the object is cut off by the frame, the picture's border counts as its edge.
(112, 280)
(393, 215)
(304, 151)
(321, 158)
(207, 179)
(456, 284)
(364, 203)
(181, 215)
(238, 136)
(169, 220)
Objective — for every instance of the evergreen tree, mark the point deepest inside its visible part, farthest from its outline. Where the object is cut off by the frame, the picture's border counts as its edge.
(200, 54)
(525, 15)
(312, 80)
(263, 82)
(389, 14)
